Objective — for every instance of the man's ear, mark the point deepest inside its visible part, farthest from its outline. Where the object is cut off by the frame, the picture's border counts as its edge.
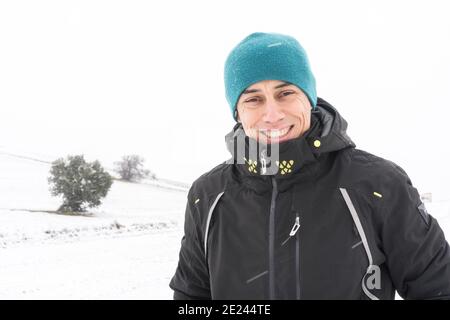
(236, 115)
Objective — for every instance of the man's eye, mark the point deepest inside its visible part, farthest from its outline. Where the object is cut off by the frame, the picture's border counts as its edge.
(286, 93)
(252, 100)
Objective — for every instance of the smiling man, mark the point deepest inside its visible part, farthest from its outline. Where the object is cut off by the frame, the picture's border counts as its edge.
(298, 212)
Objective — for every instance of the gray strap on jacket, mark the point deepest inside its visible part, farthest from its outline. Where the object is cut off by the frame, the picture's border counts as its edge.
(362, 234)
(209, 220)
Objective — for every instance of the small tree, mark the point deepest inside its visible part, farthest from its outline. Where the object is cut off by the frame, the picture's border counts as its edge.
(131, 168)
(81, 184)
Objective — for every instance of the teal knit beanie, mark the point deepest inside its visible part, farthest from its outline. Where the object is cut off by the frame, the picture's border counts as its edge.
(267, 56)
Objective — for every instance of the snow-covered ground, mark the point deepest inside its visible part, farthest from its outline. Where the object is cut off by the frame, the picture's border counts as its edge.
(129, 266)
(125, 249)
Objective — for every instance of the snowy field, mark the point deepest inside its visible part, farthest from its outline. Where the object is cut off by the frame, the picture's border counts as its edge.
(125, 249)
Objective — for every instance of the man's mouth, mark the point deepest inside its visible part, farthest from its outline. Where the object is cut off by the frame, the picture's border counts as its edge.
(276, 134)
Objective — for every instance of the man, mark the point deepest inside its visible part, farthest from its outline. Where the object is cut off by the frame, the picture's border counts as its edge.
(306, 215)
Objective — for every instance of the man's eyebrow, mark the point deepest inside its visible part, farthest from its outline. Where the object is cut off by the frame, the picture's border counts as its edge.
(250, 91)
(284, 84)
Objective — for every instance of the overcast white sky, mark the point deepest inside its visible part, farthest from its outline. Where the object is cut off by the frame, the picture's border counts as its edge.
(106, 78)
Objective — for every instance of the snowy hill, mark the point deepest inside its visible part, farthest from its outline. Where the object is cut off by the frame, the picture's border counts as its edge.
(126, 248)
(26, 205)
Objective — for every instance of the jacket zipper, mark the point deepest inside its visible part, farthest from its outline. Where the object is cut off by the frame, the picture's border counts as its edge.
(272, 239)
(294, 232)
(263, 162)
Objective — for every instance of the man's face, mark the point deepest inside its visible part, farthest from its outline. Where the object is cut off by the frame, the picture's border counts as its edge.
(274, 111)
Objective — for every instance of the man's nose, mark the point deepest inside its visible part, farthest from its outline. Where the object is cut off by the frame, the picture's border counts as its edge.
(273, 112)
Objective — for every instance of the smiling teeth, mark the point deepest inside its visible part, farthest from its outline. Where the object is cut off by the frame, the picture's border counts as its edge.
(274, 133)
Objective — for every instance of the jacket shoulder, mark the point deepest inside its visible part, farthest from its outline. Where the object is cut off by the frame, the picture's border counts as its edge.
(369, 165)
(214, 181)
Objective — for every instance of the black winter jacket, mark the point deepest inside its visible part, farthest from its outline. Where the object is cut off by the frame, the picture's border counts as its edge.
(333, 222)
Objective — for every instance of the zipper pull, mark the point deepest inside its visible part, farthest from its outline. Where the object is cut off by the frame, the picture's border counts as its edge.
(295, 227)
(294, 230)
(263, 163)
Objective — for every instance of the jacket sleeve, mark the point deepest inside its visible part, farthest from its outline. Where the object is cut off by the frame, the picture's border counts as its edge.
(191, 279)
(417, 254)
